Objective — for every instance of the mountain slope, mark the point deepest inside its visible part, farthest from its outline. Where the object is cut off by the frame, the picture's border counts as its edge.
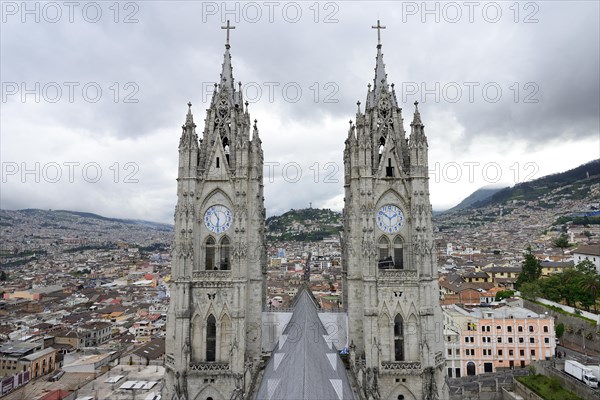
(574, 183)
(477, 196)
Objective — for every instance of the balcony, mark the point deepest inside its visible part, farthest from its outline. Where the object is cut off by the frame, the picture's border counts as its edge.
(212, 279)
(216, 367)
(401, 367)
(397, 276)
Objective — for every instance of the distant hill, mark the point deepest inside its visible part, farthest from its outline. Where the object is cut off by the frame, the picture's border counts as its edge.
(573, 184)
(67, 215)
(477, 196)
(309, 224)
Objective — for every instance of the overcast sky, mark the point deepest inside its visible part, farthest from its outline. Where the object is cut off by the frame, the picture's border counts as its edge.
(94, 94)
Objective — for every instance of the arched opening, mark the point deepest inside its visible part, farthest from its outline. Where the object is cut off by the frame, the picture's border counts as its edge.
(398, 253)
(211, 338)
(209, 251)
(385, 260)
(381, 146)
(224, 254)
(398, 338)
(470, 368)
(226, 148)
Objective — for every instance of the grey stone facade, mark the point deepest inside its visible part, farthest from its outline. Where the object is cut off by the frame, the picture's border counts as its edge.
(219, 254)
(391, 286)
(215, 327)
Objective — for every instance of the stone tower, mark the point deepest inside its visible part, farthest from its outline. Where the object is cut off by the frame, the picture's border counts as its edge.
(219, 254)
(391, 288)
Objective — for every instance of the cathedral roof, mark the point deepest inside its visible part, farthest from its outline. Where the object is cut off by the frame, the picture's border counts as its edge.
(304, 365)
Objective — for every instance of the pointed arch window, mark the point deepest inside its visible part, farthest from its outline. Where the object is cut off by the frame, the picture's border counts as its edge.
(224, 251)
(384, 253)
(211, 338)
(398, 253)
(209, 260)
(398, 338)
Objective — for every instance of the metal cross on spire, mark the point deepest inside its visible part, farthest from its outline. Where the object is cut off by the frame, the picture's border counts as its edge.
(228, 27)
(379, 28)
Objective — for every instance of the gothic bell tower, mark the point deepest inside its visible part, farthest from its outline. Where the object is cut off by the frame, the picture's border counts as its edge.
(219, 254)
(391, 288)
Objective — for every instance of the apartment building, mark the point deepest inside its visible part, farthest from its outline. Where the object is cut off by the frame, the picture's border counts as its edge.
(486, 339)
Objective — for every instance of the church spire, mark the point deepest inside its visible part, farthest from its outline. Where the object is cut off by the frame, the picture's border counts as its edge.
(189, 118)
(417, 115)
(380, 75)
(227, 82)
(380, 80)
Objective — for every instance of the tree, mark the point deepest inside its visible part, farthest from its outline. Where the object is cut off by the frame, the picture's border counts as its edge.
(531, 290)
(569, 286)
(590, 282)
(504, 294)
(562, 242)
(531, 269)
(559, 329)
(3, 276)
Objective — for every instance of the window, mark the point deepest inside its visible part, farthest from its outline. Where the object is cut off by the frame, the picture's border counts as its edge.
(457, 372)
(398, 253)
(500, 352)
(224, 253)
(531, 340)
(521, 340)
(546, 340)
(499, 339)
(521, 352)
(532, 352)
(211, 338)
(384, 251)
(531, 328)
(545, 329)
(498, 327)
(511, 353)
(509, 328)
(209, 259)
(389, 170)
(449, 352)
(398, 338)
(520, 328)
(510, 340)
(450, 372)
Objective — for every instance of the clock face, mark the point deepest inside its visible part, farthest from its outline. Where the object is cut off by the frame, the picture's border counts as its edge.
(390, 218)
(218, 218)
